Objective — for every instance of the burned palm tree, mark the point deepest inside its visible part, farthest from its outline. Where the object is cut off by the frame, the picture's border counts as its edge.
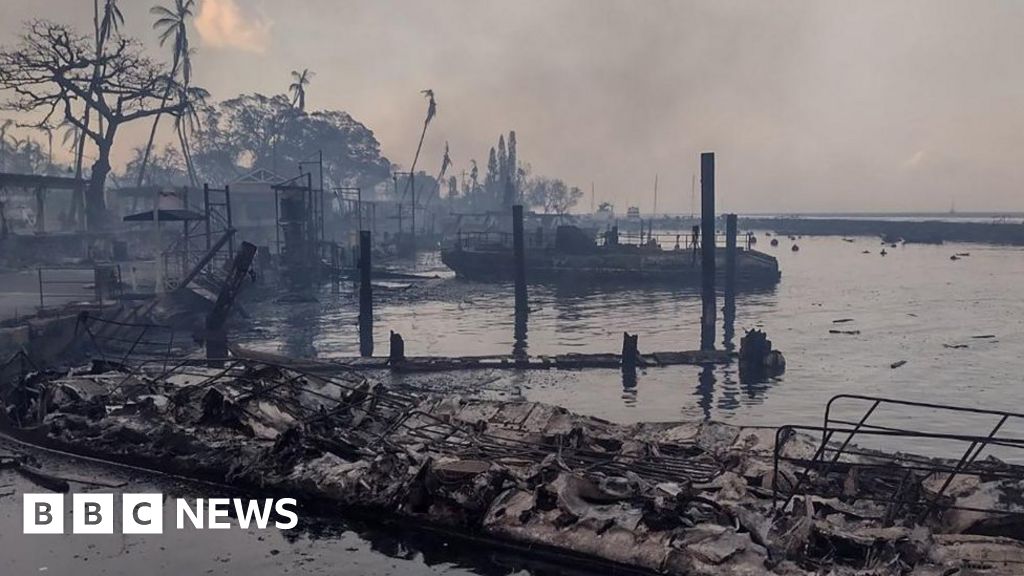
(187, 122)
(431, 112)
(411, 183)
(446, 162)
(170, 24)
(298, 87)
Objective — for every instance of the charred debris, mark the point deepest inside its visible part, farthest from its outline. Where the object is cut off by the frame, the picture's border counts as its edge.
(674, 498)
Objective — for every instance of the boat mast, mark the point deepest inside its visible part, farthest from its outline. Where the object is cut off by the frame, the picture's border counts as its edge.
(655, 210)
(693, 191)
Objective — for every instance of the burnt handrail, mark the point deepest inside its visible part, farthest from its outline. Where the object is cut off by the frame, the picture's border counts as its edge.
(828, 454)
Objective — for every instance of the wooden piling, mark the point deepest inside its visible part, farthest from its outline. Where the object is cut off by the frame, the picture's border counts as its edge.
(707, 249)
(365, 295)
(397, 353)
(729, 310)
(519, 261)
(630, 351)
(522, 308)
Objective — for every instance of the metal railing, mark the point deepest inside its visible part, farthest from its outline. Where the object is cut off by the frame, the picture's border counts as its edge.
(533, 240)
(900, 477)
(78, 283)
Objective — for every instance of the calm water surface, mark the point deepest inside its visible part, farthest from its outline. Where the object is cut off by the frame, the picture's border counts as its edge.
(913, 304)
(958, 324)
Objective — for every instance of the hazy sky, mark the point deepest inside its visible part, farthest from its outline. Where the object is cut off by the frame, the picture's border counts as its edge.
(810, 106)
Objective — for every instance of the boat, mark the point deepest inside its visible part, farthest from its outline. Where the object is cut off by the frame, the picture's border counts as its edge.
(575, 256)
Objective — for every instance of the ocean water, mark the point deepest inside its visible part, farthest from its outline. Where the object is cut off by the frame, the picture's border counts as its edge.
(957, 324)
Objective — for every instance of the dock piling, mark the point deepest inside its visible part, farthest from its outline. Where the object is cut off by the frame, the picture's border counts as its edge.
(630, 351)
(707, 250)
(522, 308)
(729, 310)
(397, 353)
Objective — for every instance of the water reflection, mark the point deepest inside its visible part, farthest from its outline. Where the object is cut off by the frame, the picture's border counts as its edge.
(300, 326)
(729, 321)
(519, 345)
(629, 387)
(419, 547)
(706, 389)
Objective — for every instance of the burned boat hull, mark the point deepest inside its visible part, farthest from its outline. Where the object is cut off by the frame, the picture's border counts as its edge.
(620, 265)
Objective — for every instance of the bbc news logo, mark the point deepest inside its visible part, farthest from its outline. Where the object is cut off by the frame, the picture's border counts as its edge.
(94, 513)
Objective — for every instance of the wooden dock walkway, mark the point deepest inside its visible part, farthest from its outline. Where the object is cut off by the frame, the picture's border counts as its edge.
(452, 363)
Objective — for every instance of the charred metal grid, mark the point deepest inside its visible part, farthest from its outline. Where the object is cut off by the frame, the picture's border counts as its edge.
(896, 479)
(472, 442)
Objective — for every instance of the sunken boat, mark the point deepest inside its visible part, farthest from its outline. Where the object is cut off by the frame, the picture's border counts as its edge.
(610, 257)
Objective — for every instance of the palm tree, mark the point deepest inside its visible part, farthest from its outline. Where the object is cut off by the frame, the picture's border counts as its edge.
(298, 87)
(170, 23)
(111, 21)
(193, 100)
(431, 112)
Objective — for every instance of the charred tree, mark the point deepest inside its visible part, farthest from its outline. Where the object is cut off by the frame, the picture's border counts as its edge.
(53, 70)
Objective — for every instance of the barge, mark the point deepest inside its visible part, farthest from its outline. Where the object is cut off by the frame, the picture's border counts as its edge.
(578, 257)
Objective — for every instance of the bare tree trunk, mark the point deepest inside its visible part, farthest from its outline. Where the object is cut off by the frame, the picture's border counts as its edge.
(95, 202)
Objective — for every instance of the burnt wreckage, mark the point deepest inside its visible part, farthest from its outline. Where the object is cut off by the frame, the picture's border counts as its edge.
(575, 256)
(674, 498)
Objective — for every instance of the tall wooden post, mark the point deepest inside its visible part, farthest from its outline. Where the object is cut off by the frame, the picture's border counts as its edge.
(707, 250)
(519, 262)
(365, 295)
(729, 311)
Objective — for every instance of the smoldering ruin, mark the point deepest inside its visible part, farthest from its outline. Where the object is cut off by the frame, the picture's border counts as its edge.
(127, 293)
(674, 498)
